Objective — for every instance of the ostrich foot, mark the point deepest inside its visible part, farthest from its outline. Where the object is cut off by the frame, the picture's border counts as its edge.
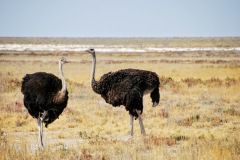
(129, 137)
(125, 138)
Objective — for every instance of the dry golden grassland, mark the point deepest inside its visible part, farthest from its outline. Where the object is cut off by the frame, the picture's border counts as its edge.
(198, 116)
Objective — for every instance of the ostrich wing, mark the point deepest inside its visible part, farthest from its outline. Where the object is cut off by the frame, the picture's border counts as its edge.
(38, 90)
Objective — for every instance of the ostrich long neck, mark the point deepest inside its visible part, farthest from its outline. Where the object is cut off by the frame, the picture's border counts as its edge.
(61, 95)
(64, 86)
(93, 81)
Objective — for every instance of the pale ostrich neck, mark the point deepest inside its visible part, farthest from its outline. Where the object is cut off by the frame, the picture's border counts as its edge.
(64, 87)
(61, 95)
(93, 69)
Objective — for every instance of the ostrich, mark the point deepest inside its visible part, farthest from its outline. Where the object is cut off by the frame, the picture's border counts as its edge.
(45, 97)
(127, 87)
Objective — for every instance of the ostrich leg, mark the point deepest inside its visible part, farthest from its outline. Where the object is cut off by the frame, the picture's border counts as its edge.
(141, 126)
(131, 125)
(141, 122)
(40, 131)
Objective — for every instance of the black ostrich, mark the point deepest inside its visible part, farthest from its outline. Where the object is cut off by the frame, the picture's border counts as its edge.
(127, 87)
(45, 96)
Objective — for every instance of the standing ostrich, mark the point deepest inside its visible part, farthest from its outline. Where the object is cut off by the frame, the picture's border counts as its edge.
(45, 96)
(127, 87)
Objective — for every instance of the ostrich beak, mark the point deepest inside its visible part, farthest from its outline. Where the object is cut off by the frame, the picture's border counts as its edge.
(91, 50)
(88, 51)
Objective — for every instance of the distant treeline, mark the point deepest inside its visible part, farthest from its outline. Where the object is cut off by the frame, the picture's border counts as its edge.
(159, 42)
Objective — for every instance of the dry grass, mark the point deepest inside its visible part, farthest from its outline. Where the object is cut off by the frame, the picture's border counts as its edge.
(198, 116)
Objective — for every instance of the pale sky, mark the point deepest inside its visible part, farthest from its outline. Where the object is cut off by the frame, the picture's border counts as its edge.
(119, 18)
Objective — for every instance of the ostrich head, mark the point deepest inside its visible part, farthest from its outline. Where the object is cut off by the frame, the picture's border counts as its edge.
(63, 61)
(92, 51)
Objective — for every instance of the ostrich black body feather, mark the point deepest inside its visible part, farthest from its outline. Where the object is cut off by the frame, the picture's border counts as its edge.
(39, 90)
(127, 87)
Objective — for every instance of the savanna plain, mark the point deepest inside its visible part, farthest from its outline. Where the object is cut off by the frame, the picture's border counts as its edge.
(198, 116)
